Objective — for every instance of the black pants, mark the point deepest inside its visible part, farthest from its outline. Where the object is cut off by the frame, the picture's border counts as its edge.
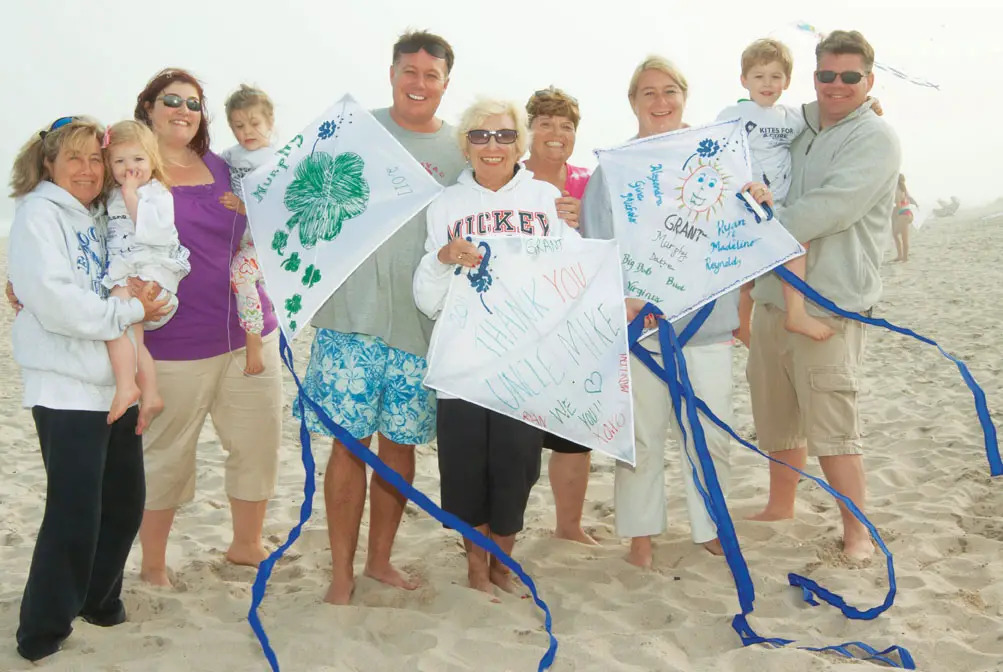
(93, 507)
(488, 463)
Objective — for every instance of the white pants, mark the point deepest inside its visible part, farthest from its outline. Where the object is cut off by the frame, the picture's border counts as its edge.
(639, 491)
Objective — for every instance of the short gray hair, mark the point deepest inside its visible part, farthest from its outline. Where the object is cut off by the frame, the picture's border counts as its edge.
(475, 115)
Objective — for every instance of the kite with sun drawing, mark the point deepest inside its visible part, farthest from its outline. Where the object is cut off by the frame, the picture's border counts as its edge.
(684, 236)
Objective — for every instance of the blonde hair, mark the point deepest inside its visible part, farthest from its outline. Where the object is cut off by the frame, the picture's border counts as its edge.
(846, 42)
(765, 51)
(44, 146)
(661, 64)
(129, 131)
(476, 114)
(247, 97)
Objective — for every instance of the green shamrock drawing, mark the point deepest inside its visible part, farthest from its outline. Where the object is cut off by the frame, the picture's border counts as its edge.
(311, 277)
(292, 264)
(324, 193)
(293, 305)
(279, 242)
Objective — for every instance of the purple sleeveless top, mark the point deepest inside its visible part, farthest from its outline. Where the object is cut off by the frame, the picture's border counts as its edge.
(205, 324)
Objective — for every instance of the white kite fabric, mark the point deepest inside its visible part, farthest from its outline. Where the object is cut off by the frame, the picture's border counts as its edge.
(539, 333)
(685, 236)
(325, 202)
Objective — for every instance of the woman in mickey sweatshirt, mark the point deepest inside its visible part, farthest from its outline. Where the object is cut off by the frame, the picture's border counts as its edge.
(488, 462)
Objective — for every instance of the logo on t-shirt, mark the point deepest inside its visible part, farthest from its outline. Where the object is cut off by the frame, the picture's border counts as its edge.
(750, 126)
(501, 221)
(433, 170)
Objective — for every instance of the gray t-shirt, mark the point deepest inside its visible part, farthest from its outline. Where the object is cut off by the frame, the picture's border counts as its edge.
(377, 298)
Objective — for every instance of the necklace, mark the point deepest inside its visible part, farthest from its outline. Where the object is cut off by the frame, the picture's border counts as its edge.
(179, 164)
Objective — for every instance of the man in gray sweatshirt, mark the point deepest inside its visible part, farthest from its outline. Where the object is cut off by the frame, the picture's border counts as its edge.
(804, 392)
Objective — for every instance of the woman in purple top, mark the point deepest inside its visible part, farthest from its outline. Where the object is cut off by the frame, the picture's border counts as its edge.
(553, 119)
(200, 352)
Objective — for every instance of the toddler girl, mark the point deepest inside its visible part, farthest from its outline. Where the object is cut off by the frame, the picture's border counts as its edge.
(142, 243)
(250, 113)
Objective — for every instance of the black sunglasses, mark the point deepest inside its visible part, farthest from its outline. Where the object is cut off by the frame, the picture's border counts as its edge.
(175, 101)
(505, 136)
(434, 49)
(848, 77)
(57, 124)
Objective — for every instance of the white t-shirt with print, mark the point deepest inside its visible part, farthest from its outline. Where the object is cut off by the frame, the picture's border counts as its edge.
(771, 131)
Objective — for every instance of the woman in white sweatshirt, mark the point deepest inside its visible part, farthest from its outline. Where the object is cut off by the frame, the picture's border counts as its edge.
(95, 490)
(488, 462)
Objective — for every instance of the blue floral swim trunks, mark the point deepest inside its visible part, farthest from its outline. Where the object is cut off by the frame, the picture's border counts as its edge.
(366, 386)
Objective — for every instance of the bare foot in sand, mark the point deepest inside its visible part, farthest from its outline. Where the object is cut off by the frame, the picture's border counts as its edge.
(769, 515)
(805, 324)
(155, 576)
(575, 534)
(126, 395)
(502, 578)
(640, 554)
(391, 576)
(858, 548)
(340, 592)
(249, 555)
(482, 582)
(714, 547)
(149, 408)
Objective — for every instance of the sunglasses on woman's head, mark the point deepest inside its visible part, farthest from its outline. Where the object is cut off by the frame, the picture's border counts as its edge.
(848, 77)
(175, 101)
(505, 136)
(57, 124)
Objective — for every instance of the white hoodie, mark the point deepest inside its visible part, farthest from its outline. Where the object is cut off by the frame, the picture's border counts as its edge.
(524, 206)
(56, 261)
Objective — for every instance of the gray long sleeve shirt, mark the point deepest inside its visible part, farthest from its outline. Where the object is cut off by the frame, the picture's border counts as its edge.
(842, 187)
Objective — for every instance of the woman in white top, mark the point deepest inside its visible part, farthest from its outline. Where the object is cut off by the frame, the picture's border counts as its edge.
(488, 462)
(95, 484)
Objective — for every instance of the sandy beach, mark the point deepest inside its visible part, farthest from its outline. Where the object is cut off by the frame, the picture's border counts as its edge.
(930, 496)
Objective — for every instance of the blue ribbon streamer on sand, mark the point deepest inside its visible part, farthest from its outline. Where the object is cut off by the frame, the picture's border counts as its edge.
(674, 373)
(981, 407)
(402, 486)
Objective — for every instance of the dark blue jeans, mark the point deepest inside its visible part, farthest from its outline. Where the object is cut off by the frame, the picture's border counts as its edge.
(93, 507)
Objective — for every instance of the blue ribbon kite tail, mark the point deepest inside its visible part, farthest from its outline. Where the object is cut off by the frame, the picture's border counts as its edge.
(395, 480)
(680, 388)
(981, 407)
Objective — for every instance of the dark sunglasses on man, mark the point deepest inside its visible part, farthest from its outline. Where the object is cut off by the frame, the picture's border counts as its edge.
(505, 136)
(829, 76)
(175, 101)
(433, 49)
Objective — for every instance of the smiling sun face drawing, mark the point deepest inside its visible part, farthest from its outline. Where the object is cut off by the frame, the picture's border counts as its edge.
(702, 191)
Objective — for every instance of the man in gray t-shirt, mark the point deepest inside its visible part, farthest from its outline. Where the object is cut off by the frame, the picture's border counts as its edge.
(367, 361)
